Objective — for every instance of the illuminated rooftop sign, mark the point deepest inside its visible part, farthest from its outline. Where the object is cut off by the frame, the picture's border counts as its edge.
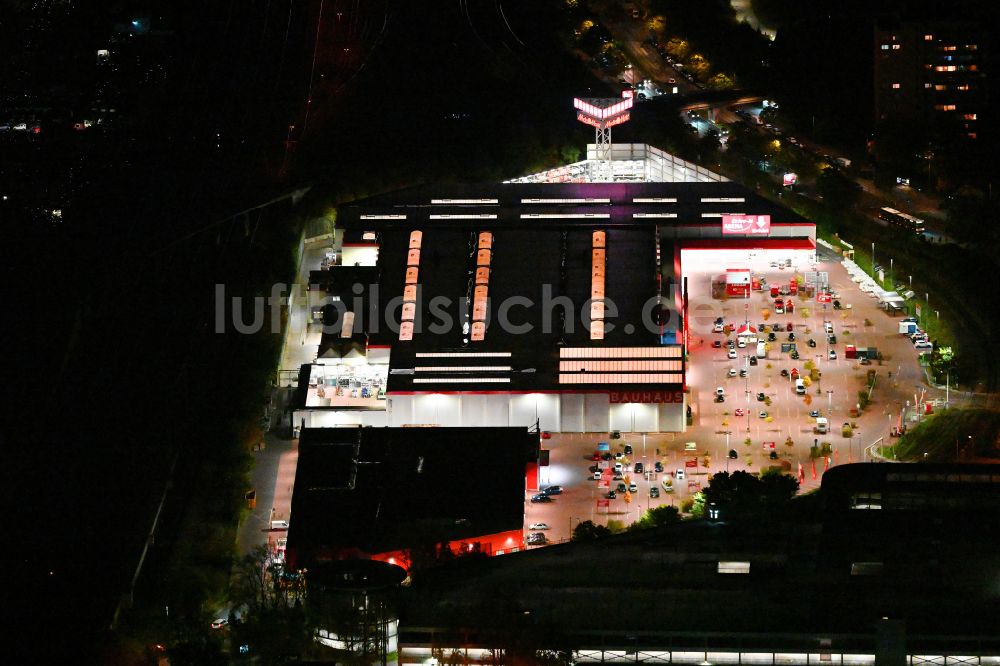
(751, 225)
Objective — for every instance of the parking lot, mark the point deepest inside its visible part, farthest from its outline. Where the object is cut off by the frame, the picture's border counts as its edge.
(716, 428)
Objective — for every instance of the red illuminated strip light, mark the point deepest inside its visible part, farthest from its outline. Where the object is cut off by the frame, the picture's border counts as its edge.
(668, 351)
(598, 267)
(480, 300)
(621, 366)
(410, 286)
(676, 378)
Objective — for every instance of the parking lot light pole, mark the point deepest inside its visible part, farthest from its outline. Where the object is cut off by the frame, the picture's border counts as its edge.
(873, 259)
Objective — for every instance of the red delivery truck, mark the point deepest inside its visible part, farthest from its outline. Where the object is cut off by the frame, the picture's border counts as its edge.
(793, 287)
(775, 291)
(789, 306)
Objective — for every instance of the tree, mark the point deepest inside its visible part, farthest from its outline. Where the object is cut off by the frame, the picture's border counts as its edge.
(742, 493)
(698, 65)
(721, 81)
(678, 48)
(588, 531)
(837, 189)
(274, 622)
(660, 516)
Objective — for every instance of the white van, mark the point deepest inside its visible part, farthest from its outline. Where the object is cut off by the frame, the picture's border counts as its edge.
(822, 425)
(800, 387)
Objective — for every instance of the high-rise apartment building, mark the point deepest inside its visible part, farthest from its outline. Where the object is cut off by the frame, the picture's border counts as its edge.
(931, 72)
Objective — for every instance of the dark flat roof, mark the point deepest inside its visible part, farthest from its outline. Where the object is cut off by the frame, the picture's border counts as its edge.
(416, 204)
(378, 489)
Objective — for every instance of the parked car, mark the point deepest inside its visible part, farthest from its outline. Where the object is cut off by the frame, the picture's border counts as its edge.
(789, 327)
(540, 499)
(638, 468)
(743, 372)
(762, 414)
(220, 623)
(732, 353)
(832, 339)
(633, 488)
(753, 360)
(717, 344)
(771, 337)
(552, 490)
(622, 487)
(811, 343)
(619, 467)
(761, 397)
(654, 492)
(795, 355)
(720, 398)
(732, 372)
(611, 494)
(538, 526)
(784, 372)
(658, 466)
(791, 337)
(923, 344)
(733, 455)
(628, 449)
(814, 413)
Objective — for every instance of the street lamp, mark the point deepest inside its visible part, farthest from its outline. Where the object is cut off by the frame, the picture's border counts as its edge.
(873, 259)
(891, 283)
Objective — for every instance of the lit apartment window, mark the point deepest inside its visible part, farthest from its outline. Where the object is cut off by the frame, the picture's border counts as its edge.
(927, 85)
(971, 135)
(946, 68)
(734, 567)
(885, 47)
(949, 48)
(940, 86)
(945, 107)
(971, 47)
(896, 47)
(895, 86)
(866, 568)
(970, 116)
(964, 86)
(928, 38)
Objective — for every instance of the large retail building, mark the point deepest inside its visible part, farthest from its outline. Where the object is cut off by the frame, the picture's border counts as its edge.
(551, 300)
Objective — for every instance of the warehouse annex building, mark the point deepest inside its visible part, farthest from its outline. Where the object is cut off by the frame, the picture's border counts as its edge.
(390, 493)
(550, 301)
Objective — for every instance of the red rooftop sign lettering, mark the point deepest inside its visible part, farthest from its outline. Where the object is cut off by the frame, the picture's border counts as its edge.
(753, 225)
(646, 396)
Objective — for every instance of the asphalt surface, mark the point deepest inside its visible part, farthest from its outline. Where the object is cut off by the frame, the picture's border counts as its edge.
(708, 369)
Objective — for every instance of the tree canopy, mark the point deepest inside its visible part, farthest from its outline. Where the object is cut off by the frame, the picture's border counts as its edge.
(740, 492)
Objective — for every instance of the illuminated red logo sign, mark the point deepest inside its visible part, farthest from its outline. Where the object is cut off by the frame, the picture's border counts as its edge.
(822, 297)
(646, 396)
(753, 225)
